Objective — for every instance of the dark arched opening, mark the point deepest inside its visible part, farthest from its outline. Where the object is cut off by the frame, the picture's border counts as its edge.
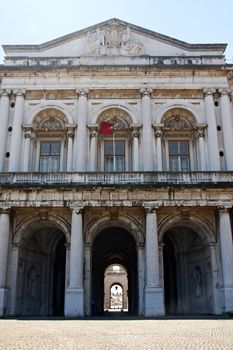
(41, 273)
(187, 277)
(114, 246)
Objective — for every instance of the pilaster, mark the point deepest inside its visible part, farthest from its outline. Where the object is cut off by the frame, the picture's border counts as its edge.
(213, 149)
(227, 127)
(93, 147)
(4, 112)
(16, 139)
(82, 130)
(201, 128)
(147, 155)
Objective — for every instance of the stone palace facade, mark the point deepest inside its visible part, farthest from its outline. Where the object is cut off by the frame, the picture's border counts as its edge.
(116, 149)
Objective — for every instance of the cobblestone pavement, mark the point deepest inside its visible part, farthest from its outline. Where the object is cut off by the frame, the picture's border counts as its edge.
(133, 334)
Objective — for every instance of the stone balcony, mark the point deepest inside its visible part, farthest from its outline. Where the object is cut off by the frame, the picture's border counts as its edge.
(136, 179)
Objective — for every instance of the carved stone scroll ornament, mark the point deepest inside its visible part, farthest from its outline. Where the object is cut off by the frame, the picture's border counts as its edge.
(113, 41)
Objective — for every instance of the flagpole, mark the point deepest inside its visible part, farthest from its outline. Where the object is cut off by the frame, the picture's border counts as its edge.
(113, 146)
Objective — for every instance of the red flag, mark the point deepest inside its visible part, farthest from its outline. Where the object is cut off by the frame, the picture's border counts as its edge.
(106, 128)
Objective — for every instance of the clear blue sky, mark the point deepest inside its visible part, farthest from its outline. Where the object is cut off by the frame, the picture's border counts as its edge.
(194, 21)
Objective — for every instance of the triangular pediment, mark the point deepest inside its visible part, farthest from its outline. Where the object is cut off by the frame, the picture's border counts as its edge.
(114, 38)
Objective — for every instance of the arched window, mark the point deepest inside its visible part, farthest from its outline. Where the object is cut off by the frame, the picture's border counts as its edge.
(179, 134)
(114, 140)
(50, 136)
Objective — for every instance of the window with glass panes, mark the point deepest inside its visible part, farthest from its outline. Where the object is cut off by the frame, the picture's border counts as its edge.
(179, 156)
(50, 156)
(114, 156)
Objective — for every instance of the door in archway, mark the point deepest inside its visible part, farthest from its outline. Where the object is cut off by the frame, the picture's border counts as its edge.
(114, 246)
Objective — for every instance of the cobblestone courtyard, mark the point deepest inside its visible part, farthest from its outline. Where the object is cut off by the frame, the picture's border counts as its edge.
(116, 334)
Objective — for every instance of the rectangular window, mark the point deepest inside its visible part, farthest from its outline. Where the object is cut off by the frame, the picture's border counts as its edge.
(50, 156)
(179, 157)
(114, 156)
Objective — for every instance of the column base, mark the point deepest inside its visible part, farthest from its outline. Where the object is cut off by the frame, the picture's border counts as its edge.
(154, 302)
(3, 301)
(228, 291)
(74, 302)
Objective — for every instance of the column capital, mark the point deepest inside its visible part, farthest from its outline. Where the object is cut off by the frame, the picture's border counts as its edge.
(5, 92)
(135, 129)
(70, 128)
(19, 92)
(82, 92)
(151, 207)
(27, 129)
(93, 129)
(146, 91)
(158, 129)
(224, 209)
(201, 128)
(5, 210)
(224, 92)
(209, 91)
(77, 209)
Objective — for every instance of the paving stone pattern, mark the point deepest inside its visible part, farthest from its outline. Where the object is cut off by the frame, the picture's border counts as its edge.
(116, 334)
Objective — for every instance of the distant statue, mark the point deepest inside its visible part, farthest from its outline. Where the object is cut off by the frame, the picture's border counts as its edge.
(197, 281)
(32, 282)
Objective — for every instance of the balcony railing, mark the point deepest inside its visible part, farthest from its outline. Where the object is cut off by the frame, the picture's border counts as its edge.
(158, 179)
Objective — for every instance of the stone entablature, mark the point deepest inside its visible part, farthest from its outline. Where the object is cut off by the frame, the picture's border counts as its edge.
(145, 60)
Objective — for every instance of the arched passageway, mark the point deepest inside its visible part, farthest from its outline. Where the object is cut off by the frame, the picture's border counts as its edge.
(114, 246)
(41, 272)
(115, 288)
(187, 272)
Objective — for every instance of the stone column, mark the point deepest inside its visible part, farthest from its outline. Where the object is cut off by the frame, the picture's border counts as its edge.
(93, 147)
(4, 111)
(158, 135)
(154, 303)
(14, 276)
(81, 164)
(201, 144)
(135, 151)
(16, 139)
(4, 247)
(213, 150)
(27, 143)
(141, 279)
(226, 247)
(227, 127)
(87, 279)
(147, 152)
(70, 136)
(74, 292)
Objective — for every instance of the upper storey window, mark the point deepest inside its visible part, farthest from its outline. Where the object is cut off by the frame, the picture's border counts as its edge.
(179, 156)
(179, 134)
(114, 155)
(114, 140)
(50, 142)
(50, 153)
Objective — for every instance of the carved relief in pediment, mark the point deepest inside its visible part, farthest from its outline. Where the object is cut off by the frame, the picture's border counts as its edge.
(113, 41)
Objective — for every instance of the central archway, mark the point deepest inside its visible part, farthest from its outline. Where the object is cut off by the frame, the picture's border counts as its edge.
(114, 246)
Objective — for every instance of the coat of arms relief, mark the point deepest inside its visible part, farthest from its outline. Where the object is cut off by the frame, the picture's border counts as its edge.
(113, 41)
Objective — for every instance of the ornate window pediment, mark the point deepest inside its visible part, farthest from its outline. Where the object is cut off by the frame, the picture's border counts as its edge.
(50, 120)
(179, 119)
(120, 119)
